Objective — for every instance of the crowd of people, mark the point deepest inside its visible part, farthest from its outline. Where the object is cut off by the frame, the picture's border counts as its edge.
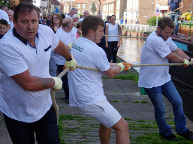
(33, 51)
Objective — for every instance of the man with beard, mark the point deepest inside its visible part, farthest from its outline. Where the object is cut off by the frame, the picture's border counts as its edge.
(158, 49)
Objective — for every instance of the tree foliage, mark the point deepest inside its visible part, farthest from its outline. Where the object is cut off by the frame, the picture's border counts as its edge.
(152, 21)
(93, 7)
(5, 2)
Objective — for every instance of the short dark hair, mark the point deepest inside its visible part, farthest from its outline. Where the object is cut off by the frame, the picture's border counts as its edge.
(3, 22)
(73, 9)
(24, 8)
(79, 24)
(91, 22)
(165, 21)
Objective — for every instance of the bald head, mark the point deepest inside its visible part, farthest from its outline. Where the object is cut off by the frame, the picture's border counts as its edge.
(67, 24)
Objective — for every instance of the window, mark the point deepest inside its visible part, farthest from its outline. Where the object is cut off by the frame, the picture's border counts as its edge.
(83, 5)
(78, 5)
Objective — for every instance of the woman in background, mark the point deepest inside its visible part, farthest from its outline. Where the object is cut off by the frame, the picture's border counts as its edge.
(56, 22)
(112, 43)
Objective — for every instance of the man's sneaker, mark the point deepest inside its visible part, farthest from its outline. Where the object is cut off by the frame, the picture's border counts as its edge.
(171, 137)
(187, 135)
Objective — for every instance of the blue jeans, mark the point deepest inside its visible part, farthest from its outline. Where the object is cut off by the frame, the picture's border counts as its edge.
(171, 93)
(175, 16)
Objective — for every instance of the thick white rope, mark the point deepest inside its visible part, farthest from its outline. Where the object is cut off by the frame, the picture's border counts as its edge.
(95, 69)
(56, 107)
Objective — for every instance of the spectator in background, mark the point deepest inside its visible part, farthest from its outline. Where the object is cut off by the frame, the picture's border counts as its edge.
(5, 8)
(72, 12)
(75, 18)
(67, 37)
(108, 20)
(63, 16)
(102, 43)
(86, 13)
(79, 29)
(10, 14)
(174, 8)
(56, 22)
(113, 31)
(48, 21)
(3, 27)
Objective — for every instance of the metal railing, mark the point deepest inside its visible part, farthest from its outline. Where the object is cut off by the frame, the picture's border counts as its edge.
(139, 27)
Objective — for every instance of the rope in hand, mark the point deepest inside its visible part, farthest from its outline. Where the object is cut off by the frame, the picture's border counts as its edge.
(95, 69)
(56, 108)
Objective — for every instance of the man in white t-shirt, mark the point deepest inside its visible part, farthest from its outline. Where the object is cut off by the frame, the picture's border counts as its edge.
(25, 82)
(86, 88)
(67, 35)
(159, 49)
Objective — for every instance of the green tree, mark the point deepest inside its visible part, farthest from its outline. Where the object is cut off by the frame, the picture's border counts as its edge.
(152, 21)
(93, 8)
(5, 2)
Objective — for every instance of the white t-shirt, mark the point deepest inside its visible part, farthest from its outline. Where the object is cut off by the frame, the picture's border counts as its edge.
(85, 86)
(155, 51)
(113, 31)
(17, 56)
(81, 19)
(66, 38)
(68, 16)
(4, 15)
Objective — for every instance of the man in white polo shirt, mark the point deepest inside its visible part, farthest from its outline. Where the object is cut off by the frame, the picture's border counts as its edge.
(25, 82)
(86, 88)
(159, 49)
(67, 36)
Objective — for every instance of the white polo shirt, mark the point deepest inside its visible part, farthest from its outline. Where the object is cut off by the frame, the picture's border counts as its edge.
(85, 86)
(66, 38)
(4, 15)
(155, 51)
(17, 56)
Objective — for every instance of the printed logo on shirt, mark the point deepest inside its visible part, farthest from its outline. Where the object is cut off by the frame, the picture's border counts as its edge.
(77, 48)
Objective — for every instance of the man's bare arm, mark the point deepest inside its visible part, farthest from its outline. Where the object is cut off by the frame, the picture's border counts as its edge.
(177, 56)
(62, 49)
(113, 70)
(32, 83)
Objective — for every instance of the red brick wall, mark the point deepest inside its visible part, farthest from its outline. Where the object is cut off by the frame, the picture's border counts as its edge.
(146, 10)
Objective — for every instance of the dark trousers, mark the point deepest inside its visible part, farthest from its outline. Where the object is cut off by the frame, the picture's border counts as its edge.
(45, 129)
(60, 68)
(111, 51)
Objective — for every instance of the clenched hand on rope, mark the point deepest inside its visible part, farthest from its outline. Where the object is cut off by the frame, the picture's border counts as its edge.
(124, 66)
